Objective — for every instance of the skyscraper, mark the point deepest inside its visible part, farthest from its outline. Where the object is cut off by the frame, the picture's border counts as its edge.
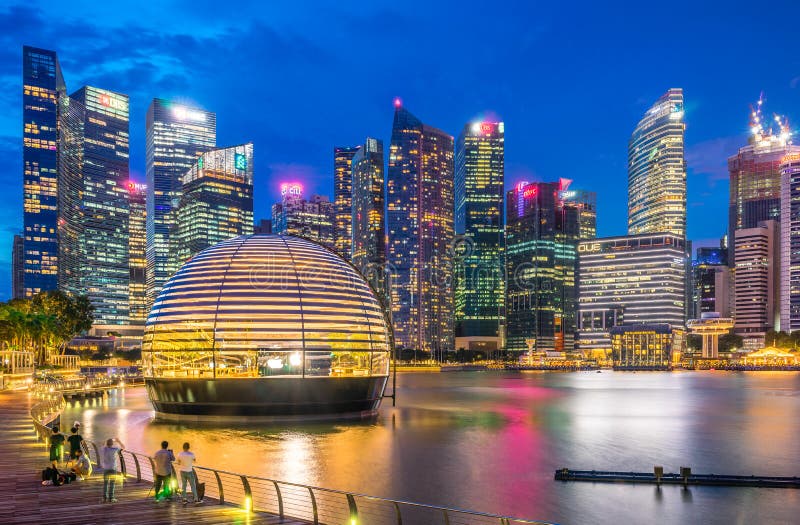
(657, 169)
(17, 267)
(711, 279)
(790, 243)
(756, 283)
(542, 233)
(137, 259)
(368, 217)
(176, 136)
(94, 206)
(42, 87)
(755, 174)
(420, 233)
(479, 272)
(216, 202)
(312, 219)
(343, 198)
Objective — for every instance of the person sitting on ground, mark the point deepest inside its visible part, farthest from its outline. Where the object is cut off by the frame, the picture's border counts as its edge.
(56, 447)
(82, 467)
(74, 441)
(109, 460)
(163, 471)
(185, 465)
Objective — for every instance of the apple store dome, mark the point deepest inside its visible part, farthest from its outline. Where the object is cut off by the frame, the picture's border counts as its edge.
(266, 326)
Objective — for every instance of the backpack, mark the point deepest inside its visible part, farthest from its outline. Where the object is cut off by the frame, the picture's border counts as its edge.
(49, 474)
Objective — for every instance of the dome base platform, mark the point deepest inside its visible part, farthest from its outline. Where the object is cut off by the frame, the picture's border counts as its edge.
(265, 399)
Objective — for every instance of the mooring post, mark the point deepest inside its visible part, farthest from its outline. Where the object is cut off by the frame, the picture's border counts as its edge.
(685, 473)
(658, 471)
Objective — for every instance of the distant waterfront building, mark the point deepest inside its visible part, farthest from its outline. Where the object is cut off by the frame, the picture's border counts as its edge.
(42, 88)
(264, 226)
(635, 279)
(216, 202)
(137, 247)
(790, 243)
(479, 272)
(419, 197)
(756, 282)
(17, 267)
(657, 169)
(755, 175)
(711, 279)
(368, 216)
(642, 346)
(176, 135)
(343, 198)
(312, 219)
(542, 235)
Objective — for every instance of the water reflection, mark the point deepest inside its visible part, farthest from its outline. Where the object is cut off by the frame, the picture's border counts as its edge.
(491, 441)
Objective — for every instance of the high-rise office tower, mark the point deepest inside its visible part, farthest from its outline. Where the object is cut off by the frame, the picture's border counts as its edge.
(634, 279)
(216, 202)
(711, 278)
(479, 271)
(137, 259)
(420, 233)
(755, 174)
(42, 87)
(657, 169)
(94, 205)
(368, 217)
(542, 233)
(343, 198)
(263, 226)
(176, 136)
(790, 243)
(756, 282)
(312, 219)
(17, 267)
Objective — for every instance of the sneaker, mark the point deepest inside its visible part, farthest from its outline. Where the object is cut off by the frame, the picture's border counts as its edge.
(198, 502)
(113, 500)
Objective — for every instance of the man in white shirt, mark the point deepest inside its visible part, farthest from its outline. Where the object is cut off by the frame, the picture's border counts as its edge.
(82, 467)
(109, 460)
(185, 464)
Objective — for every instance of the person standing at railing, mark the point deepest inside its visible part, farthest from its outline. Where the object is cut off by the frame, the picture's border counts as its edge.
(109, 460)
(163, 471)
(185, 465)
(56, 447)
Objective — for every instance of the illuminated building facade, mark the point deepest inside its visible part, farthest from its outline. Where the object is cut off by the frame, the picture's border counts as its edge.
(711, 278)
(312, 219)
(137, 260)
(790, 243)
(542, 233)
(176, 135)
(755, 174)
(635, 279)
(265, 326)
(343, 198)
(42, 88)
(657, 169)
(756, 282)
(642, 346)
(17, 267)
(216, 201)
(479, 272)
(420, 233)
(368, 216)
(263, 226)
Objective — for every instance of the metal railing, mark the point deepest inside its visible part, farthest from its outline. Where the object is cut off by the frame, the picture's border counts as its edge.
(315, 505)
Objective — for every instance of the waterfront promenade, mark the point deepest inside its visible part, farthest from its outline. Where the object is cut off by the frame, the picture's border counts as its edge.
(28, 501)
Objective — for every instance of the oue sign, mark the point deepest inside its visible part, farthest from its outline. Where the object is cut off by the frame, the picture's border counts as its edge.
(589, 248)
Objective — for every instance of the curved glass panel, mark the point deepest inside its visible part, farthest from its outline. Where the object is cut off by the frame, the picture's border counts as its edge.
(266, 306)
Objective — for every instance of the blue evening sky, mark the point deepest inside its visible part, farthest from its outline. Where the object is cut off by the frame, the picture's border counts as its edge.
(570, 81)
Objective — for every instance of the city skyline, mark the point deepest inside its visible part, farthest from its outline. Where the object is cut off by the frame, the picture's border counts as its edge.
(298, 148)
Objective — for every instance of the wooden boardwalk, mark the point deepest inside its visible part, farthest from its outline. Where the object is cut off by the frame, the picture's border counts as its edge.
(26, 500)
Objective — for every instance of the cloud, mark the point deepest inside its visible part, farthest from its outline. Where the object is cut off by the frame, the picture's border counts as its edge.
(707, 161)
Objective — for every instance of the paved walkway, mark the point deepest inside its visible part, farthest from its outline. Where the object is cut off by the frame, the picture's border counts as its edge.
(26, 500)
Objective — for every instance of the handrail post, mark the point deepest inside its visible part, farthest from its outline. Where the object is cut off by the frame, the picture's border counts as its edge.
(280, 498)
(446, 517)
(122, 468)
(248, 494)
(313, 505)
(138, 468)
(351, 502)
(397, 511)
(219, 485)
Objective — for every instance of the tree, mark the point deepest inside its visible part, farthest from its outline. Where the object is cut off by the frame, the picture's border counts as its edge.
(728, 342)
(694, 341)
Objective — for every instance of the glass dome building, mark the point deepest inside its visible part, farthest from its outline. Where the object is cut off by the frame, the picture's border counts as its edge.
(266, 326)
